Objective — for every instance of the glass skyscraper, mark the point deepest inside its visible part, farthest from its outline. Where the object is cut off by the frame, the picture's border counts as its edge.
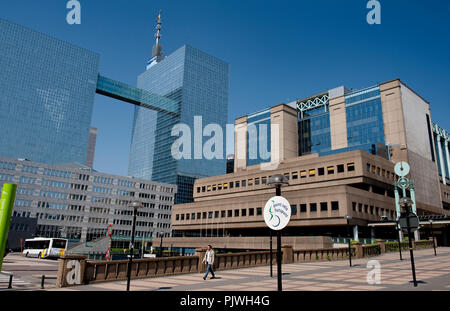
(47, 89)
(198, 82)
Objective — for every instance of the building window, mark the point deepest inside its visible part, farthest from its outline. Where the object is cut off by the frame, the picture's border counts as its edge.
(312, 172)
(256, 181)
(350, 167)
(330, 170)
(203, 189)
(258, 211)
(371, 210)
(199, 215)
(230, 213)
(302, 174)
(366, 208)
(294, 209)
(286, 175)
(354, 206)
(198, 189)
(360, 207)
(204, 215)
(264, 180)
(236, 213)
(223, 214)
(368, 167)
(231, 185)
(237, 184)
(244, 212)
(294, 175)
(334, 205)
(187, 216)
(193, 216)
(313, 207)
(210, 215)
(302, 208)
(219, 187)
(340, 168)
(250, 182)
(216, 214)
(244, 183)
(321, 171)
(177, 217)
(251, 212)
(323, 206)
(182, 216)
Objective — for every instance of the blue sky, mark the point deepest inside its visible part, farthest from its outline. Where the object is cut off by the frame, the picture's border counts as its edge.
(278, 51)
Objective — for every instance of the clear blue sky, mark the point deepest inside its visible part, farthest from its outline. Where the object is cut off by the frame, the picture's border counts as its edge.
(278, 51)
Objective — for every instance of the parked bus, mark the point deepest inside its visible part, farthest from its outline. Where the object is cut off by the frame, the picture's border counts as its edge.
(44, 247)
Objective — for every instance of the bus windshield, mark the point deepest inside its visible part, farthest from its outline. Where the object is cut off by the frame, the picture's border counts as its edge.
(59, 243)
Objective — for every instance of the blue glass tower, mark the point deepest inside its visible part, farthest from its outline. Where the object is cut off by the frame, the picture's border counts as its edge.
(198, 82)
(47, 89)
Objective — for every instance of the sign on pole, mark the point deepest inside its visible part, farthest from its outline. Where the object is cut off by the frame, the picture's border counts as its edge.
(110, 230)
(413, 222)
(108, 254)
(277, 213)
(6, 208)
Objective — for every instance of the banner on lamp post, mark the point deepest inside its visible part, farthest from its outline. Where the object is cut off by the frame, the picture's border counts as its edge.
(6, 208)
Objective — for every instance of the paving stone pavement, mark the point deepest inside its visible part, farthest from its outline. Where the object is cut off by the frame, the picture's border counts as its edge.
(433, 273)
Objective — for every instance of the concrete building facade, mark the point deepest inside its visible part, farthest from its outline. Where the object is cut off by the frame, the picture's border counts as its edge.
(338, 150)
(79, 203)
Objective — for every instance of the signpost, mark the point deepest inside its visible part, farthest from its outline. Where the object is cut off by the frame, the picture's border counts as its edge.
(6, 208)
(277, 213)
(110, 232)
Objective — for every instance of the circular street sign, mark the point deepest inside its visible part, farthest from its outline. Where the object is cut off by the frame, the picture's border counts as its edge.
(413, 222)
(401, 169)
(277, 213)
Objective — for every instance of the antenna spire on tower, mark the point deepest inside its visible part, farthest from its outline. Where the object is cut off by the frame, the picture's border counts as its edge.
(157, 48)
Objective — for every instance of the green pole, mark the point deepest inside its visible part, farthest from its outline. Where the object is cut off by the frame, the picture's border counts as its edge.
(6, 208)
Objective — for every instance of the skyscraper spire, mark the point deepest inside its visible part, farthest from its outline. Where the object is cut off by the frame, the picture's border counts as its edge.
(157, 48)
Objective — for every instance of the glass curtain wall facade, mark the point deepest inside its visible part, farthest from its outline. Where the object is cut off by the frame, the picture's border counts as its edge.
(258, 138)
(47, 91)
(198, 82)
(365, 130)
(314, 131)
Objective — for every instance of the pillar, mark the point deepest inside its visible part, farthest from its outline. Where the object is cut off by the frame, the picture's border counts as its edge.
(200, 252)
(355, 233)
(447, 156)
(441, 159)
(71, 270)
(287, 254)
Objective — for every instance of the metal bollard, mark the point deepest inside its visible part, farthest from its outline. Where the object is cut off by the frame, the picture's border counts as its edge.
(42, 282)
(10, 281)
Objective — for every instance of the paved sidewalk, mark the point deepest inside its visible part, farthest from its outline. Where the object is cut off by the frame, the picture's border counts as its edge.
(433, 272)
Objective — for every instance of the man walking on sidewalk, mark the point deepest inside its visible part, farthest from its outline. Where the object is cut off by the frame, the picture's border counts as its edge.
(209, 259)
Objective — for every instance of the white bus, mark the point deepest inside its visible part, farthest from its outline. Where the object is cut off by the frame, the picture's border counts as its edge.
(44, 247)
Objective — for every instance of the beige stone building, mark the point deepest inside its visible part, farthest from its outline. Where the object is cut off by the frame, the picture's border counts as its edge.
(338, 150)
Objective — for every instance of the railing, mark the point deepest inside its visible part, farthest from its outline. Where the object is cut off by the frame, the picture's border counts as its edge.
(100, 271)
(242, 260)
(371, 250)
(393, 246)
(322, 254)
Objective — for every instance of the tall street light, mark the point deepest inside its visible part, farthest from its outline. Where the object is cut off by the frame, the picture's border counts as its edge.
(348, 217)
(406, 202)
(432, 232)
(161, 235)
(135, 205)
(278, 181)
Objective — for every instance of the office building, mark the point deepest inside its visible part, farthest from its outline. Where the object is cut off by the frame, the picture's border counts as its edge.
(76, 202)
(91, 147)
(338, 150)
(48, 88)
(198, 83)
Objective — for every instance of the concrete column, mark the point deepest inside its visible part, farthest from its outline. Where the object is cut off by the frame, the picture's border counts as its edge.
(372, 234)
(447, 156)
(441, 159)
(355, 233)
(287, 254)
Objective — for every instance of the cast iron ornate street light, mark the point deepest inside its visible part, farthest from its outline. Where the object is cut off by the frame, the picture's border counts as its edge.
(135, 205)
(277, 181)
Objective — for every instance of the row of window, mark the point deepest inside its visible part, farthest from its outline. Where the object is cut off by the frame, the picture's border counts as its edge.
(371, 210)
(321, 171)
(380, 171)
(313, 207)
(7, 166)
(57, 173)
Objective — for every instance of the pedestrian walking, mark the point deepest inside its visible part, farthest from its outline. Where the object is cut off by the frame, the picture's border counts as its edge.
(209, 261)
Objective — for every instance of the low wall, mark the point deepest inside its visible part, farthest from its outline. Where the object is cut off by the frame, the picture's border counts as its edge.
(77, 270)
(247, 243)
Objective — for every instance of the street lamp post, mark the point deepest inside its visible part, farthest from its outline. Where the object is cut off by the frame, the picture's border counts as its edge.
(432, 232)
(161, 235)
(278, 181)
(406, 202)
(348, 217)
(399, 243)
(135, 205)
